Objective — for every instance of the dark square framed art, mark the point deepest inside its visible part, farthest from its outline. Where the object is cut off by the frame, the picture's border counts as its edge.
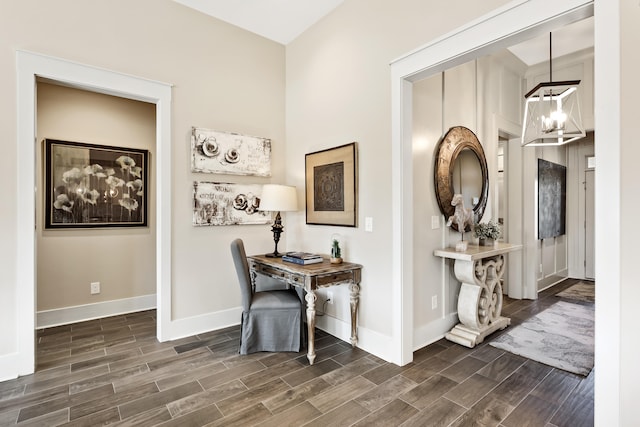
(331, 186)
(89, 185)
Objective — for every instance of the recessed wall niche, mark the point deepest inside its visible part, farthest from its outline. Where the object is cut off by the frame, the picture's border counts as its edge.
(123, 260)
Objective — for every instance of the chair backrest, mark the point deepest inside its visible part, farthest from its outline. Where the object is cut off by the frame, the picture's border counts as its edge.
(242, 269)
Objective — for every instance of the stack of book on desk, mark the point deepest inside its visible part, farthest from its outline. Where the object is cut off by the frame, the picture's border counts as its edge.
(302, 258)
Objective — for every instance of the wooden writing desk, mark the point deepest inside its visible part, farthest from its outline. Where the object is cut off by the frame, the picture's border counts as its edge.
(311, 277)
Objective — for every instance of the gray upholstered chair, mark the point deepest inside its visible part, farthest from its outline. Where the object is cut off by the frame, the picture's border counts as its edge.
(271, 320)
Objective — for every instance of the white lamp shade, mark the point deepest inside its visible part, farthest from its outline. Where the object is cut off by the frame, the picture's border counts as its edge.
(278, 198)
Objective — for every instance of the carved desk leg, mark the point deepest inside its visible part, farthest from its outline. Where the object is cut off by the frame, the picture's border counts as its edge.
(311, 325)
(479, 301)
(354, 289)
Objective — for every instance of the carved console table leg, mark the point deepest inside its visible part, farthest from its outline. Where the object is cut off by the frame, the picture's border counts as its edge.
(311, 325)
(479, 301)
(354, 289)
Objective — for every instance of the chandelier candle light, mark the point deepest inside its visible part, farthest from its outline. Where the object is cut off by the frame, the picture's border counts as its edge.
(552, 112)
(278, 198)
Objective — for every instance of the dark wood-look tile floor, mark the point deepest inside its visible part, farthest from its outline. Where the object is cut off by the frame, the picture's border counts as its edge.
(114, 371)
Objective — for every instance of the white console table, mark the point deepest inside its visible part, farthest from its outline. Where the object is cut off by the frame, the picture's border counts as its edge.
(479, 269)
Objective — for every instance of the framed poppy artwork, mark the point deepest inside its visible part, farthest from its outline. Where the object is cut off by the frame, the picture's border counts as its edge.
(90, 185)
(331, 186)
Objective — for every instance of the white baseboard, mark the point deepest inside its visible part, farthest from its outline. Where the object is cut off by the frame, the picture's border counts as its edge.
(433, 331)
(178, 328)
(81, 313)
(181, 328)
(552, 280)
(370, 341)
(9, 366)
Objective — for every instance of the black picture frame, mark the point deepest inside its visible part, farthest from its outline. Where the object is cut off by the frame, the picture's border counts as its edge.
(331, 192)
(88, 185)
(552, 199)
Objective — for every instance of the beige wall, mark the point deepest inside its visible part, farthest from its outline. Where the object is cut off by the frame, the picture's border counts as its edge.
(121, 259)
(223, 78)
(427, 131)
(338, 90)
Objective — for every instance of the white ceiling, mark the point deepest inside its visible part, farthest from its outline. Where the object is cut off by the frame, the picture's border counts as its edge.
(284, 20)
(568, 39)
(278, 20)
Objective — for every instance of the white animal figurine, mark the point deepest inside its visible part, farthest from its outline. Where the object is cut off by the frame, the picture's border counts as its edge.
(461, 216)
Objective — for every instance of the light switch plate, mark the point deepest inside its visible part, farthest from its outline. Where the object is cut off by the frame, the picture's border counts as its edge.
(368, 224)
(435, 222)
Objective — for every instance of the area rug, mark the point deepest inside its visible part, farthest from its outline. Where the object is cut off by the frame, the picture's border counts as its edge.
(581, 291)
(560, 336)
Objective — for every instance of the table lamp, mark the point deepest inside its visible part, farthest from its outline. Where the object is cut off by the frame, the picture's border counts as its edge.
(278, 198)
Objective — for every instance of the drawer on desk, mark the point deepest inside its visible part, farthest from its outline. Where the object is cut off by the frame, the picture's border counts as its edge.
(270, 271)
(296, 280)
(333, 278)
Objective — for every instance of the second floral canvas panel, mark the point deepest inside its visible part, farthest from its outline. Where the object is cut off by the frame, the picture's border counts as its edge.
(94, 185)
(222, 203)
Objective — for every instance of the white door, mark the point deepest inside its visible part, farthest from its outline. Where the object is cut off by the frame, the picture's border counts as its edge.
(589, 225)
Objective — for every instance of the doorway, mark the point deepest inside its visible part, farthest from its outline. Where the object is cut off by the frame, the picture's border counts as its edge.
(502, 28)
(30, 67)
(120, 259)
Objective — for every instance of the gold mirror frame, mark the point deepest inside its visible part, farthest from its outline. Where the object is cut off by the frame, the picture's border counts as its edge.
(455, 140)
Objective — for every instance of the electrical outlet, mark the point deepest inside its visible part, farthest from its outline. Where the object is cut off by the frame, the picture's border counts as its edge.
(434, 302)
(329, 297)
(95, 288)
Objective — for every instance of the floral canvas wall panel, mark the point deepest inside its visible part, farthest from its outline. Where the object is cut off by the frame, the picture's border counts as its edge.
(218, 203)
(229, 153)
(94, 185)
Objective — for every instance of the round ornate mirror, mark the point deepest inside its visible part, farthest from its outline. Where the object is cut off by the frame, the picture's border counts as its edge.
(461, 168)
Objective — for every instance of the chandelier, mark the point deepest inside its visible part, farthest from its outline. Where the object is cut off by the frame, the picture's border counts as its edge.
(552, 112)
